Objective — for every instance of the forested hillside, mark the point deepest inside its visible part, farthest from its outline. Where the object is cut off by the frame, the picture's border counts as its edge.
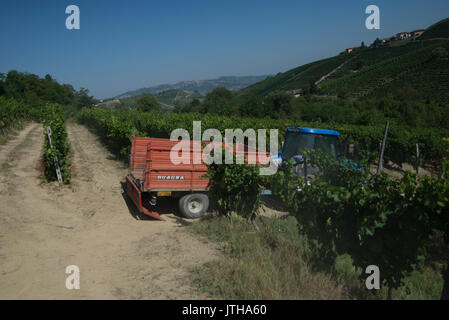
(34, 91)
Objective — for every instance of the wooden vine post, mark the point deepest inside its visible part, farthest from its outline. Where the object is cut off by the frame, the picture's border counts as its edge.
(55, 160)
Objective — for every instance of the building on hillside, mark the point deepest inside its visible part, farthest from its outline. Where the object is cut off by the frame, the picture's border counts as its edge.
(349, 50)
(295, 92)
(402, 35)
(379, 43)
(417, 33)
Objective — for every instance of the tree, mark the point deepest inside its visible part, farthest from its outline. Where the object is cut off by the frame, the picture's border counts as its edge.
(312, 87)
(14, 84)
(220, 101)
(82, 99)
(147, 102)
(252, 107)
(280, 104)
(37, 91)
(195, 106)
(2, 89)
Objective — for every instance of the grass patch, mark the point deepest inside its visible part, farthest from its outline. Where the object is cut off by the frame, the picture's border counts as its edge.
(280, 265)
(7, 132)
(5, 169)
(258, 265)
(425, 284)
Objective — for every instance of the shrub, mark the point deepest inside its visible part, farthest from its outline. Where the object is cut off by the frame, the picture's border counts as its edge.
(234, 187)
(375, 219)
(52, 116)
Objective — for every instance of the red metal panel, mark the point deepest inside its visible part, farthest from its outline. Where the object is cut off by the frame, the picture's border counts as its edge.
(136, 196)
(151, 162)
(160, 160)
(169, 180)
(133, 192)
(198, 180)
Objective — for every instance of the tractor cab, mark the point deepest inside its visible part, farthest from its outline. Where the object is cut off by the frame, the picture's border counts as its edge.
(299, 139)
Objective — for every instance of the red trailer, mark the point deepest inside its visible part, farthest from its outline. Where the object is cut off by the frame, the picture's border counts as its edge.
(152, 175)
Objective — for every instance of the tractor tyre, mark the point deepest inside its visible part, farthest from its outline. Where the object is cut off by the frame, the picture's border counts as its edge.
(193, 205)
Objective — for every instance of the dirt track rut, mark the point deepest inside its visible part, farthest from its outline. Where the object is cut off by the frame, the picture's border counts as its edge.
(44, 228)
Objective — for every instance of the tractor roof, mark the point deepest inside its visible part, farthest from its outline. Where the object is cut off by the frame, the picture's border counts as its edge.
(314, 131)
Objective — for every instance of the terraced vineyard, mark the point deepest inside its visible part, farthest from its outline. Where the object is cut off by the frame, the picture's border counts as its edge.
(362, 72)
(299, 77)
(424, 68)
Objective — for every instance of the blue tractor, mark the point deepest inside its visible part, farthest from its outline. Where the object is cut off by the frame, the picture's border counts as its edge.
(298, 139)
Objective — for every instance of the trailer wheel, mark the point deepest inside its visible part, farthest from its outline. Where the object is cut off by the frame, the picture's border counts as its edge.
(193, 205)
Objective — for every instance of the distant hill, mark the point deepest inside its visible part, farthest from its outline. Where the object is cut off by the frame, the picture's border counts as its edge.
(233, 83)
(416, 67)
(174, 97)
(167, 99)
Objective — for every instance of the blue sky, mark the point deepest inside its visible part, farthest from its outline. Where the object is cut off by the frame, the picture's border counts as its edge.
(125, 45)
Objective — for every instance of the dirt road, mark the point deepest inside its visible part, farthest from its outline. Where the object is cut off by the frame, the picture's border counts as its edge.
(44, 229)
